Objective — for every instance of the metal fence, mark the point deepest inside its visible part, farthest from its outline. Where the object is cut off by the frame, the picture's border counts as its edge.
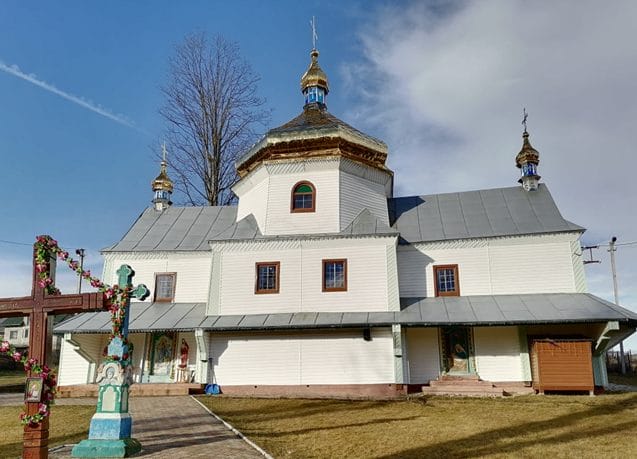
(613, 362)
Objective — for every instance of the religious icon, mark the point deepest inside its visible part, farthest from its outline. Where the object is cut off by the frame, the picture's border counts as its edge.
(183, 359)
(33, 390)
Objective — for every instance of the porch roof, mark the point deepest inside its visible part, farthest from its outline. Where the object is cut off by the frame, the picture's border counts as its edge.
(548, 308)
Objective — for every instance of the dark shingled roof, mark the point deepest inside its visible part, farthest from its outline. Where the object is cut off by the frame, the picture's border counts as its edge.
(546, 308)
(476, 214)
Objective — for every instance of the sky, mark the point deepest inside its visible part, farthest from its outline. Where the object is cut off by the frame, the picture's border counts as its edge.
(443, 83)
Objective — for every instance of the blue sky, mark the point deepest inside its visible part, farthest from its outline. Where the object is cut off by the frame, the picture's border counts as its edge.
(443, 83)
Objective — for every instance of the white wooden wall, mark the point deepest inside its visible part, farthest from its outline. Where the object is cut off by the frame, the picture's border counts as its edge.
(497, 266)
(79, 367)
(300, 286)
(334, 357)
(343, 190)
(423, 355)
(192, 268)
(497, 351)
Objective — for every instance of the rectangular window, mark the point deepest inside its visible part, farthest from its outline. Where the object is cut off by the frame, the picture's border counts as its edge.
(267, 277)
(13, 334)
(334, 275)
(26, 333)
(165, 287)
(446, 280)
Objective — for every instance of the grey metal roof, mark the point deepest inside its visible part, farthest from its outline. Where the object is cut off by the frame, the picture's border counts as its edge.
(177, 228)
(466, 310)
(476, 214)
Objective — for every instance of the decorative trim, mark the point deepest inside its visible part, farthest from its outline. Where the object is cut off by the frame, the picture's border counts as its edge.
(170, 299)
(455, 292)
(335, 289)
(277, 264)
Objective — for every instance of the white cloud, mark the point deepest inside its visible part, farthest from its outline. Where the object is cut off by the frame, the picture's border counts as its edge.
(82, 102)
(445, 84)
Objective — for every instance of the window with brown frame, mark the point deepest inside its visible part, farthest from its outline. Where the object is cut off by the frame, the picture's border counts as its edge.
(446, 280)
(165, 287)
(267, 277)
(335, 275)
(303, 197)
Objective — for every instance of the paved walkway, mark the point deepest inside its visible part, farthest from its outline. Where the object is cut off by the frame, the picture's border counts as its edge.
(169, 427)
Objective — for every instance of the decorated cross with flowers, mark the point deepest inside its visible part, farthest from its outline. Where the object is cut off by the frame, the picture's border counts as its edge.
(46, 300)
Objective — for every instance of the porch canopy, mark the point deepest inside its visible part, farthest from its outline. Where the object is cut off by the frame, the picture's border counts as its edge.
(483, 310)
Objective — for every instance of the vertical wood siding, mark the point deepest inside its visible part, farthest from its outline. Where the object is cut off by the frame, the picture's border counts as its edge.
(335, 357)
(497, 352)
(193, 273)
(422, 354)
(77, 367)
(279, 219)
(494, 267)
(301, 280)
(357, 194)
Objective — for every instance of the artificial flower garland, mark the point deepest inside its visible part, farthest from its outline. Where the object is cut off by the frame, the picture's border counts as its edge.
(115, 298)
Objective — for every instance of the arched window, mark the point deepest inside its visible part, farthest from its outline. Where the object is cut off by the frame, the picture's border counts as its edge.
(303, 197)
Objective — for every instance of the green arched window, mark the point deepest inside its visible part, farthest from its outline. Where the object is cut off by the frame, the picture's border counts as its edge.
(303, 197)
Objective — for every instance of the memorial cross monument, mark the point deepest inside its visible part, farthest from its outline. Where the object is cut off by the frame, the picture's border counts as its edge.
(111, 425)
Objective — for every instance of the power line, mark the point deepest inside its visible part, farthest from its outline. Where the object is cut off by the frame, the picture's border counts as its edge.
(2, 241)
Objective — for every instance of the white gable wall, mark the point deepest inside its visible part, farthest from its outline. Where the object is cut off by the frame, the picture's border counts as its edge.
(192, 268)
(79, 358)
(495, 266)
(334, 357)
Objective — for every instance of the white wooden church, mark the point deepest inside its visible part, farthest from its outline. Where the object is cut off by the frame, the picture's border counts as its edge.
(320, 281)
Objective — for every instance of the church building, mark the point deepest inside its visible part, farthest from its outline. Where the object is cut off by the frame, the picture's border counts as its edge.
(320, 281)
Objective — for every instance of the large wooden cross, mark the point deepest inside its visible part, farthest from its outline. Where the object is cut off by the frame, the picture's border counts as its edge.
(39, 306)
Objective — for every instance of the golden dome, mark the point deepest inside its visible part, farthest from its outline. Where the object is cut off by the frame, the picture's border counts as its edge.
(314, 75)
(163, 182)
(527, 154)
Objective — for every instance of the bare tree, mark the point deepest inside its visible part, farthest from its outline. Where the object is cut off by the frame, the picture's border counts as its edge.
(211, 111)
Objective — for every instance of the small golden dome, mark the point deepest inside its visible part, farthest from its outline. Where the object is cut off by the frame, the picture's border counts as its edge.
(527, 154)
(163, 182)
(314, 75)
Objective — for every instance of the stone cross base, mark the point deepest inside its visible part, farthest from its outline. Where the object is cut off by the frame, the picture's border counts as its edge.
(111, 425)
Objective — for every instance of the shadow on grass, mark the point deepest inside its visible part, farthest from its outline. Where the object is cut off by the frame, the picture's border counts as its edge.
(489, 442)
(9, 450)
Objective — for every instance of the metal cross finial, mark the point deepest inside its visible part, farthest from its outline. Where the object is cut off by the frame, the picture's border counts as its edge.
(163, 151)
(525, 115)
(314, 34)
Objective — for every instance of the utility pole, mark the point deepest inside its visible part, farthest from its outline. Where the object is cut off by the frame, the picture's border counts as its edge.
(80, 253)
(612, 251)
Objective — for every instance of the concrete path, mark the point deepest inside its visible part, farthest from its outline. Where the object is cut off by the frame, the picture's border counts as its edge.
(168, 427)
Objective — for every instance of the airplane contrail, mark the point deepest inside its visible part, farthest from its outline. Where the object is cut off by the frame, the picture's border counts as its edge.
(31, 78)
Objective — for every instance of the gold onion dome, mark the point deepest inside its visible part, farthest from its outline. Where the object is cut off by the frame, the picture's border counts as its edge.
(527, 154)
(163, 182)
(314, 75)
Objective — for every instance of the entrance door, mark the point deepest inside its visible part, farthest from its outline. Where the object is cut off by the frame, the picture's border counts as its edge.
(456, 350)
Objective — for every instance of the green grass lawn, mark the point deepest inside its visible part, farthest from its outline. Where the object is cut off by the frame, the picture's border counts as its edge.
(12, 377)
(69, 424)
(531, 426)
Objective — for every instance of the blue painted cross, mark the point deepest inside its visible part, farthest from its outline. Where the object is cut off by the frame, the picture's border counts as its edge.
(117, 346)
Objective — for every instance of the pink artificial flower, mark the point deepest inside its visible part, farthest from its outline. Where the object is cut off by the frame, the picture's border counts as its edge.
(52, 242)
(40, 267)
(4, 347)
(43, 409)
(16, 356)
(108, 294)
(63, 255)
(96, 283)
(73, 265)
(42, 283)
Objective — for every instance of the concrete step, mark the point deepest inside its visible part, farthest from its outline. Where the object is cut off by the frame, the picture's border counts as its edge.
(460, 382)
(469, 391)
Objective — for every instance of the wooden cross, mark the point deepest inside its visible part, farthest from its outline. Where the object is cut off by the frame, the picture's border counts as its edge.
(39, 306)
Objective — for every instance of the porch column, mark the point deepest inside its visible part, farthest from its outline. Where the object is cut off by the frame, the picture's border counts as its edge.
(399, 361)
(203, 344)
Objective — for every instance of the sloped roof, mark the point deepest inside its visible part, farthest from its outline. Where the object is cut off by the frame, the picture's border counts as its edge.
(314, 122)
(366, 223)
(176, 228)
(465, 310)
(476, 214)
